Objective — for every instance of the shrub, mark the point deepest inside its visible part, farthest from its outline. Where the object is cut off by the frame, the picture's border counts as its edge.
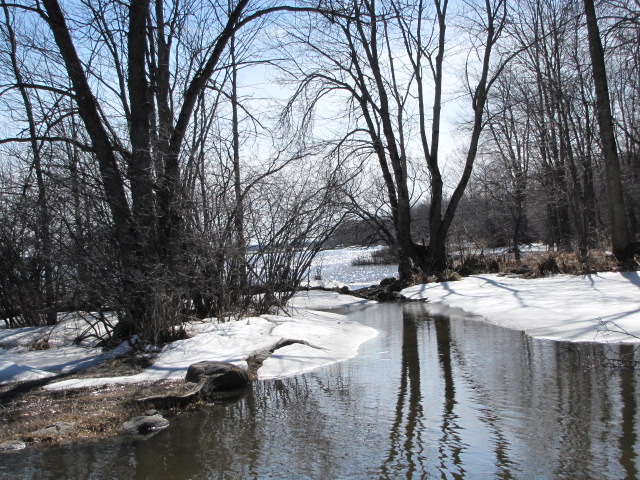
(535, 265)
(382, 256)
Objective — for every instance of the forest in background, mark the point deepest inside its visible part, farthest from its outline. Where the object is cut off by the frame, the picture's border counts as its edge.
(180, 159)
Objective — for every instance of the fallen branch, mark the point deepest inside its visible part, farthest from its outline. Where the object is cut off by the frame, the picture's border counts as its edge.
(256, 359)
(618, 359)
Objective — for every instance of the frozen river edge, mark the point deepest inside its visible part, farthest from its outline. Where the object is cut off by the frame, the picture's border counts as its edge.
(602, 307)
(324, 338)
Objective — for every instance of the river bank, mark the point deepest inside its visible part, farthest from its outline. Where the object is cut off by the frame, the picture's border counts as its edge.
(599, 307)
(98, 390)
(428, 397)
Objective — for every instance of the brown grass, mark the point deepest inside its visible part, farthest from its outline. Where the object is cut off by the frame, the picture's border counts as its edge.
(382, 256)
(96, 412)
(538, 265)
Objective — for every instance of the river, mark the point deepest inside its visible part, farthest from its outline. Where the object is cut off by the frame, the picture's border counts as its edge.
(428, 398)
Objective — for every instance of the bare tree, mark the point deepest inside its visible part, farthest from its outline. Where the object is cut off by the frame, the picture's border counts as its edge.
(137, 74)
(42, 253)
(511, 149)
(387, 61)
(555, 95)
(620, 239)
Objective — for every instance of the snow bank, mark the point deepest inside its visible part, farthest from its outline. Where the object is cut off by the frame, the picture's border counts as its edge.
(11, 372)
(19, 363)
(329, 338)
(69, 327)
(596, 308)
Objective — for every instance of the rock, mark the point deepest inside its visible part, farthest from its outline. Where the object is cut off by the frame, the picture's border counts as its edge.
(145, 425)
(58, 429)
(12, 445)
(388, 291)
(217, 376)
(211, 380)
(210, 388)
(389, 296)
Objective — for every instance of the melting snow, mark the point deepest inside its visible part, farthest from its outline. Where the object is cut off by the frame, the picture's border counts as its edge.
(329, 338)
(602, 307)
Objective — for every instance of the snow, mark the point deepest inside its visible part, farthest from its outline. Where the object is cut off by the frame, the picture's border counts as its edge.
(327, 337)
(332, 338)
(19, 363)
(12, 372)
(603, 307)
(472, 249)
(68, 328)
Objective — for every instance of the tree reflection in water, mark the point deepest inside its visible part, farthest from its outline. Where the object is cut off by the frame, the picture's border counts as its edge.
(407, 427)
(451, 439)
(430, 397)
(628, 435)
(408, 442)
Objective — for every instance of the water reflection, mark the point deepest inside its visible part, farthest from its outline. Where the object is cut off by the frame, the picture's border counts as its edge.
(628, 437)
(407, 429)
(451, 439)
(428, 398)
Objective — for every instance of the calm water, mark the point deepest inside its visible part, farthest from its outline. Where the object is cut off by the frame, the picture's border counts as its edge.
(427, 398)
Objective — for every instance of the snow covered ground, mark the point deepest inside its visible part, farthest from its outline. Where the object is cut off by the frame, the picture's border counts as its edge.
(323, 300)
(329, 338)
(19, 361)
(603, 307)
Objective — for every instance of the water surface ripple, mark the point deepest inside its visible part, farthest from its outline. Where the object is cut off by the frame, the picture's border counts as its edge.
(428, 398)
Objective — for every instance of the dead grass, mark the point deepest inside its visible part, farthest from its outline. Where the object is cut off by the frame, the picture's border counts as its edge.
(96, 412)
(536, 265)
(382, 256)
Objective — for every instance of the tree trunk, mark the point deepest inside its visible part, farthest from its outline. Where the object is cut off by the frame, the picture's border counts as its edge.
(239, 268)
(620, 239)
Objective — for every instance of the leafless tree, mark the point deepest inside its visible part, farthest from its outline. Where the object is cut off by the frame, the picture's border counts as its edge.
(386, 62)
(507, 157)
(137, 75)
(620, 239)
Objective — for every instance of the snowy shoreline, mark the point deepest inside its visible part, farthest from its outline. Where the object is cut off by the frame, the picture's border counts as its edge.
(327, 337)
(603, 307)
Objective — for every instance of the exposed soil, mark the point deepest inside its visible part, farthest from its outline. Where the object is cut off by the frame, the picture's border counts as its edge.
(100, 412)
(97, 412)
